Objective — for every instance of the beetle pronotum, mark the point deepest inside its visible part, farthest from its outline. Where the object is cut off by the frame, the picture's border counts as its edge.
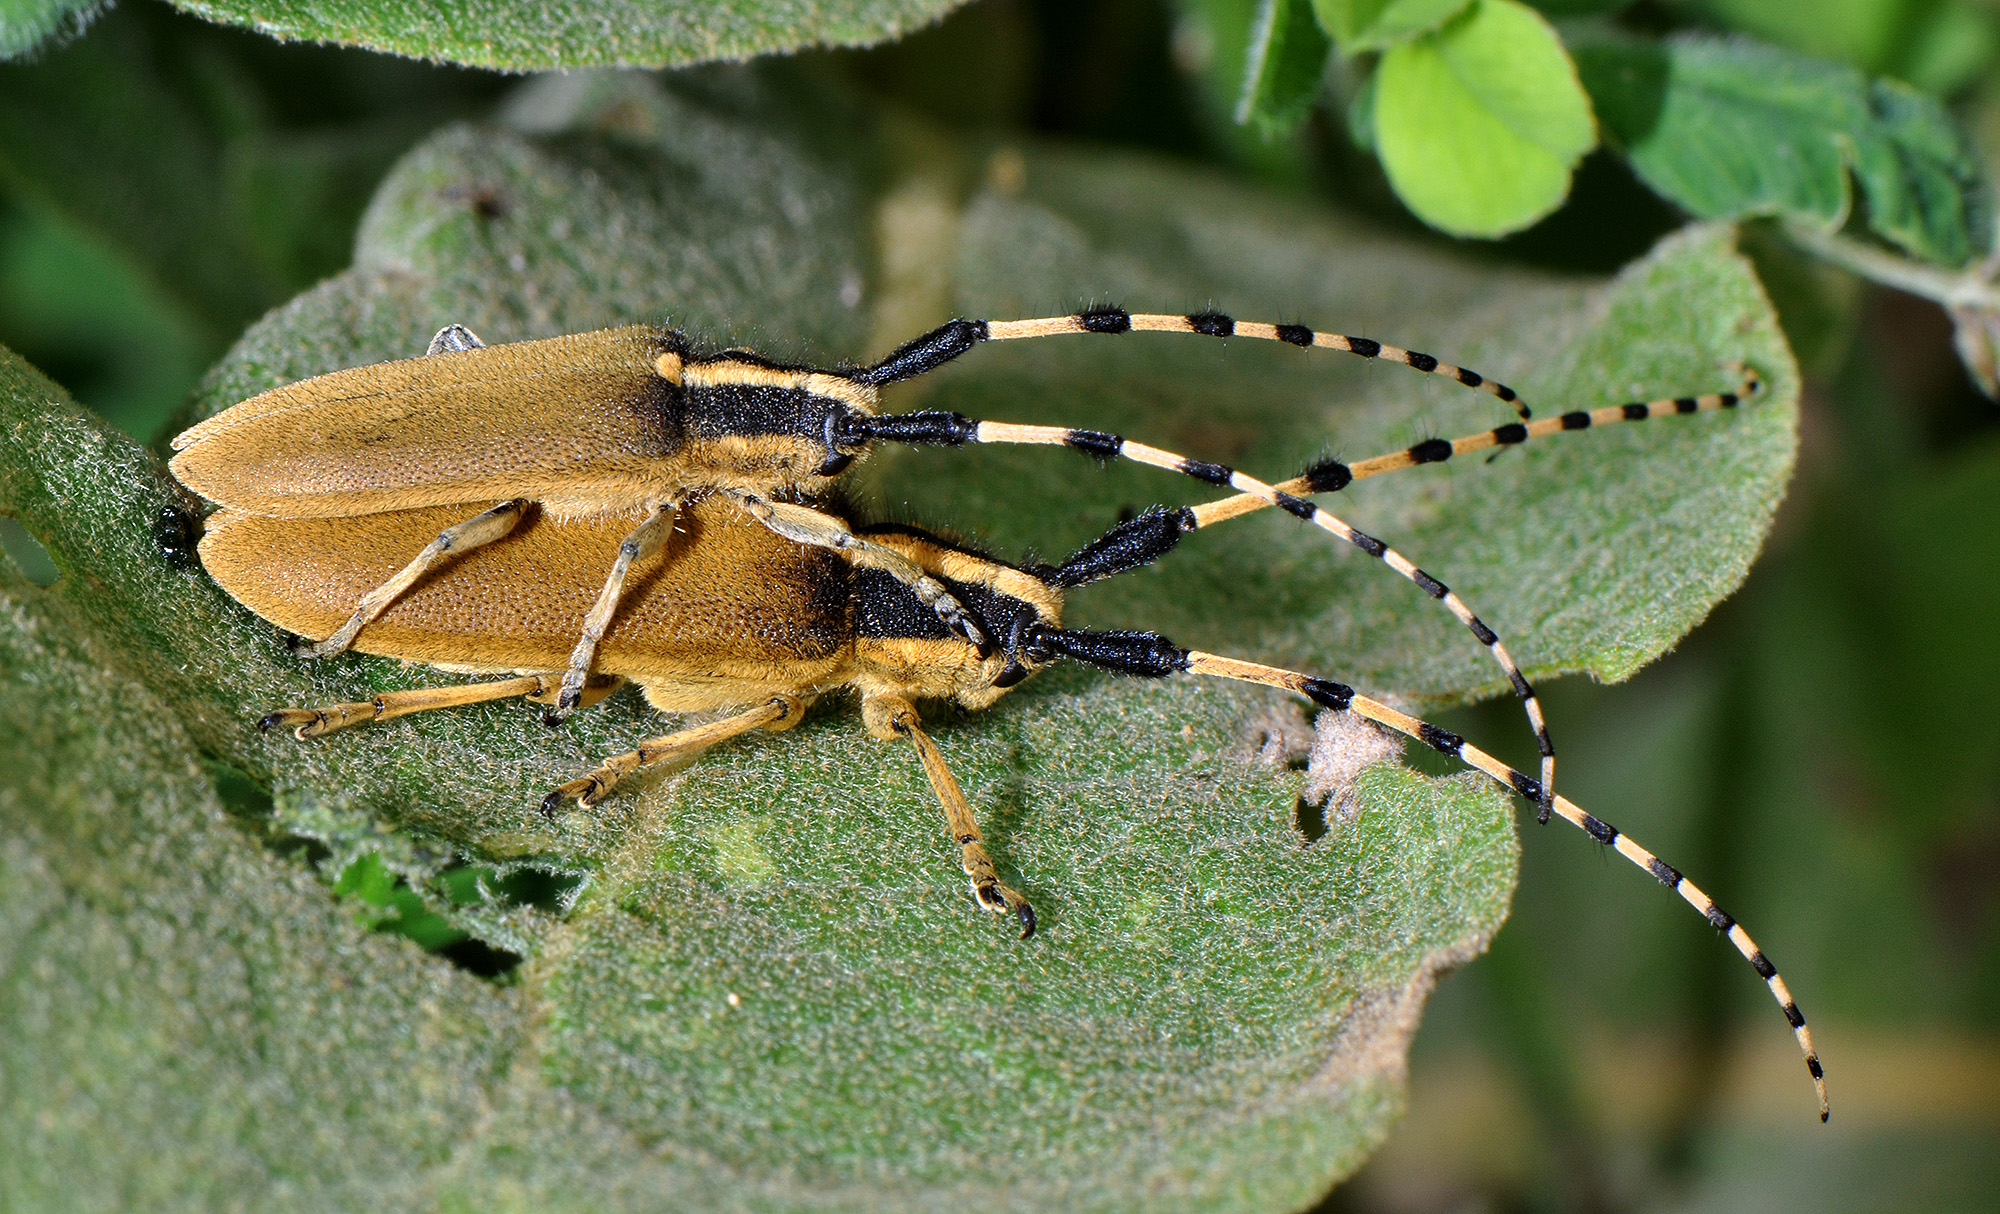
(562, 443)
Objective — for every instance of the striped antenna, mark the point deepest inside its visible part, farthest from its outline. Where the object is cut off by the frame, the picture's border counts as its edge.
(1331, 476)
(954, 338)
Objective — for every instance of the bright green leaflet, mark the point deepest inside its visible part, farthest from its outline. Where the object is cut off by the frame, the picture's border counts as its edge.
(1214, 1016)
(1728, 129)
(1480, 124)
(580, 33)
(1361, 25)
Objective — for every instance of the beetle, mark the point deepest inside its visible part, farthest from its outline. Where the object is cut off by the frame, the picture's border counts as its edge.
(634, 422)
(732, 617)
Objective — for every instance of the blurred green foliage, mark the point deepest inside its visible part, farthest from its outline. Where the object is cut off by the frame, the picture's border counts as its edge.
(1822, 753)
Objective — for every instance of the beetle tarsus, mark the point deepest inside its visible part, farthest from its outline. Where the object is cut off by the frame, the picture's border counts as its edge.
(962, 626)
(1001, 900)
(299, 718)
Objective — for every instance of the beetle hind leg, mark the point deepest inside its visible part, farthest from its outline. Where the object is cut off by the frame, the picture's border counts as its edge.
(318, 722)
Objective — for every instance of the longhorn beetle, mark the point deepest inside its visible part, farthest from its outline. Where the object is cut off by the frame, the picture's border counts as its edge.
(636, 420)
(734, 617)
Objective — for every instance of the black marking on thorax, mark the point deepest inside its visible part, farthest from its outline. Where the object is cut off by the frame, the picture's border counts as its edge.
(746, 409)
(885, 609)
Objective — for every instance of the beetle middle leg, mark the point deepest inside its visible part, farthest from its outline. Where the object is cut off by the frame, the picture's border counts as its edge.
(778, 713)
(644, 541)
(318, 722)
(804, 525)
(461, 537)
(894, 716)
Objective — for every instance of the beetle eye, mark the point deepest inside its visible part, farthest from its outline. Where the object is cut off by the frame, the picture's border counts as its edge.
(846, 430)
(840, 440)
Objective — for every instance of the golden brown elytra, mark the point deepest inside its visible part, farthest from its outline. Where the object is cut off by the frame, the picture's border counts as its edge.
(728, 616)
(585, 424)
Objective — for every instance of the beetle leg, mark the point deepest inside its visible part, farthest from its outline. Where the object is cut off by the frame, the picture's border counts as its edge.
(899, 717)
(804, 525)
(453, 338)
(780, 712)
(462, 537)
(644, 541)
(318, 722)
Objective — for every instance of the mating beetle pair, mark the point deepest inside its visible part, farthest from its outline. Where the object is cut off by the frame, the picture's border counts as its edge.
(607, 506)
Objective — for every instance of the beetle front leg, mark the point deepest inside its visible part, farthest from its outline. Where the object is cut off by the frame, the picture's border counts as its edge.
(894, 716)
(804, 525)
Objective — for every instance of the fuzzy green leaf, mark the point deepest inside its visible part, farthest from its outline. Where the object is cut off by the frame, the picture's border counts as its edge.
(772, 990)
(581, 33)
(1480, 124)
(1728, 129)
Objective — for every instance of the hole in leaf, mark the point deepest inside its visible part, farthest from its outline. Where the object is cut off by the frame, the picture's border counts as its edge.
(388, 903)
(27, 552)
(240, 793)
(1309, 820)
(536, 887)
(385, 901)
(480, 959)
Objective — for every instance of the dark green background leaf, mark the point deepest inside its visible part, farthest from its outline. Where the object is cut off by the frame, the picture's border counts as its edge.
(1937, 45)
(197, 177)
(1727, 129)
(1287, 58)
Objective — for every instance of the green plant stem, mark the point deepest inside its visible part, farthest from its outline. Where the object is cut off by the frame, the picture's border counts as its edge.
(1972, 288)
